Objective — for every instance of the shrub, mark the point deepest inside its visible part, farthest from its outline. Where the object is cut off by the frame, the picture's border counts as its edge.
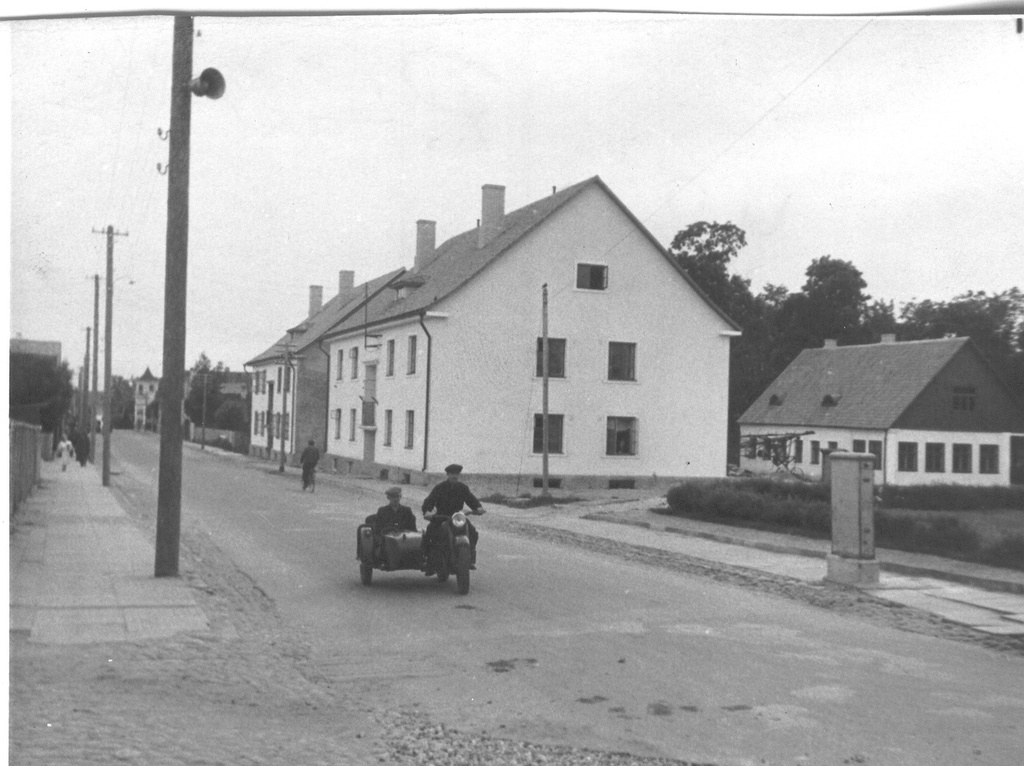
(952, 497)
(1008, 552)
(943, 535)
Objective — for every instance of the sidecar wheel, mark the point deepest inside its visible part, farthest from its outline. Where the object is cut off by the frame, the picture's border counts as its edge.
(462, 557)
(365, 573)
(442, 576)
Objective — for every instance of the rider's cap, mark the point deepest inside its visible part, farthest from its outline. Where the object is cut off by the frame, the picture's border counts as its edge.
(393, 492)
(453, 468)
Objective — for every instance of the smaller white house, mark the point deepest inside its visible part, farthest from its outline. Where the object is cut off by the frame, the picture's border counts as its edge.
(145, 389)
(931, 411)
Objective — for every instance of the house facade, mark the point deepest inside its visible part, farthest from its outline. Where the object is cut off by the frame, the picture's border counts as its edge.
(145, 389)
(931, 411)
(446, 365)
(289, 380)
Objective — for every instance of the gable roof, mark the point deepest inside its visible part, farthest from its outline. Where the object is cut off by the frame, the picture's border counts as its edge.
(336, 310)
(871, 385)
(459, 259)
(147, 375)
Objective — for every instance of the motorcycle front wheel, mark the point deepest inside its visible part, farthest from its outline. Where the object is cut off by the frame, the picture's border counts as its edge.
(462, 559)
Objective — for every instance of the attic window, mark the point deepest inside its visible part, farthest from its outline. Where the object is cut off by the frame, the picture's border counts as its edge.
(963, 398)
(830, 401)
(591, 276)
(775, 400)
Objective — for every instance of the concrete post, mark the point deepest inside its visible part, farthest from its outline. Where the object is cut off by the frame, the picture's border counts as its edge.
(852, 560)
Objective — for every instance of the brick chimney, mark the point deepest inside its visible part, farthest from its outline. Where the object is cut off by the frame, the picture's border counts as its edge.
(316, 299)
(426, 241)
(492, 215)
(830, 343)
(888, 337)
(346, 281)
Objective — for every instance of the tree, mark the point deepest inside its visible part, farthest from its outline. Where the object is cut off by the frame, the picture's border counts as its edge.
(122, 403)
(42, 384)
(198, 400)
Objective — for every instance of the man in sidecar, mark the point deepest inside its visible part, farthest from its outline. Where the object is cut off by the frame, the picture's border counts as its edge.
(393, 517)
(445, 499)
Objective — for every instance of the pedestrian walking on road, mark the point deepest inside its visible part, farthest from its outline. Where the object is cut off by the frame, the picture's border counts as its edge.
(309, 458)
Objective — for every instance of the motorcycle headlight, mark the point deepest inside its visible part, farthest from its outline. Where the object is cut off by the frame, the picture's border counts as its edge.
(458, 519)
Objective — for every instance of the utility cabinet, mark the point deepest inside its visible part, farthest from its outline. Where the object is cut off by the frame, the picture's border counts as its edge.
(852, 560)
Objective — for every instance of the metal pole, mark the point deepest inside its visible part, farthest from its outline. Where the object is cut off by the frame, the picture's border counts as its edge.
(545, 370)
(95, 368)
(168, 519)
(285, 390)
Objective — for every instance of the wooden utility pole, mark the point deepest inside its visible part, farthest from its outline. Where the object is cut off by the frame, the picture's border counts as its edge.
(95, 368)
(107, 344)
(545, 369)
(286, 388)
(172, 385)
(84, 416)
(206, 377)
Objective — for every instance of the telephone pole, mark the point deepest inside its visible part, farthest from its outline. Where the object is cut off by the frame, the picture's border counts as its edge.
(209, 83)
(95, 368)
(83, 417)
(107, 343)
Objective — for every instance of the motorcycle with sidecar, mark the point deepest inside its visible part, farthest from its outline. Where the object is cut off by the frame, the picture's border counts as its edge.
(398, 550)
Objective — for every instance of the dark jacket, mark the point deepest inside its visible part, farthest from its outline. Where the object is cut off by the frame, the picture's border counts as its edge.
(310, 456)
(449, 497)
(389, 519)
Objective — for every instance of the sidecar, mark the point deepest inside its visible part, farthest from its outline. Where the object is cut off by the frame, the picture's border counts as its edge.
(388, 552)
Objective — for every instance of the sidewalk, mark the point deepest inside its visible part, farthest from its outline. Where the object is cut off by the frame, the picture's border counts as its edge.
(81, 571)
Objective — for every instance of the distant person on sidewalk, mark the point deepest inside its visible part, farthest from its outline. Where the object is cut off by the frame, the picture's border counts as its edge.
(309, 458)
(81, 444)
(65, 451)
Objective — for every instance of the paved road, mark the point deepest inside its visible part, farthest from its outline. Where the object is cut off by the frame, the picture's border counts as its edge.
(564, 645)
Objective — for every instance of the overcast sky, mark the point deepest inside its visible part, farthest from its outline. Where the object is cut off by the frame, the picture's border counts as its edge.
(891, 142)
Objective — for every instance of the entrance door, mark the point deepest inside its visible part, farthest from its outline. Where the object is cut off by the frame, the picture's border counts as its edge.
(370, 413)
(1017, 460)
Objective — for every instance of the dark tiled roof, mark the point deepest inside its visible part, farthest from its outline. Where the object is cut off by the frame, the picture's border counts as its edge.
(459, 259)
(338, 308)
(147, 375)
(871, 385)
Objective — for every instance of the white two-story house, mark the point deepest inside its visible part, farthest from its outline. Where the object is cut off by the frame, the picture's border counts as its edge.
(445, 365)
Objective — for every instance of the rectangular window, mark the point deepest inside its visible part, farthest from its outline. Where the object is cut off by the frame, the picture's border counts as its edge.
(287, 379)
(833, 446)
(963, 398)
(988, 458)
(858, 445)
(556, 357)
(341, 364)
(798, 450)
(337, 423)
(389, 368)
(352, 425)
(410, 422)
(907, 456)
(388, 416)
(962, 458)
(285, 421)
(815, 452)
(555, 423)
(934, 457)
(875, 448)
(411, 363)
(354, 359)
(277, 423)
(621, 361)
(279, 379)
(591, 276)
(256, 425)
(621, 436)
